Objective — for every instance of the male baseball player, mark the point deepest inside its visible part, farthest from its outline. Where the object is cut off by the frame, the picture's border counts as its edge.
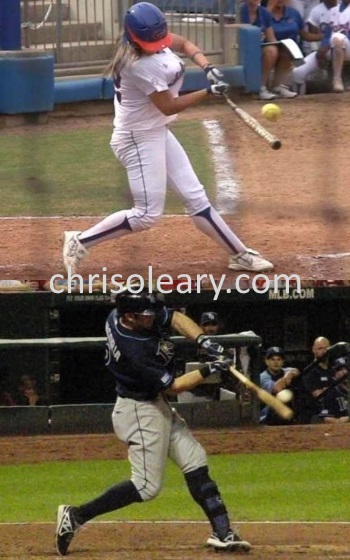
(274, 379)
(140, 356)
(336, 399)
(148, 76)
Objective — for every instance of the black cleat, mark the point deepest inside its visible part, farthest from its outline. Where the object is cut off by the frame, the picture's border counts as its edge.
(231, 543)
(66, 529)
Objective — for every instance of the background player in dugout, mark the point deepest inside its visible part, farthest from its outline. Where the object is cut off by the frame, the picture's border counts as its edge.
(274, 379)
(336, 398)
(140, 356)
(316, 378)
(148, 76)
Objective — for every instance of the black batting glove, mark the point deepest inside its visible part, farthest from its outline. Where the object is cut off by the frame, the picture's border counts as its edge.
(213, 349)
(218, 89)
(214, 75)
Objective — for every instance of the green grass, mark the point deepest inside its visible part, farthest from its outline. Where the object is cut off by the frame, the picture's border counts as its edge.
(76, 173)
(307, 486)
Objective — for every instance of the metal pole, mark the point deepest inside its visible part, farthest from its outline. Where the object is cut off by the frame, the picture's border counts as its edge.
(10, 25)
(58, 31)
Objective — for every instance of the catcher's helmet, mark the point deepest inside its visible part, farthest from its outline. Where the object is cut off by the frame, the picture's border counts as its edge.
(145, 25)
(143, 303)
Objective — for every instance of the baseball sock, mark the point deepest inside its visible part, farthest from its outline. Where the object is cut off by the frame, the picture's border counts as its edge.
(115, 225)
(210, 222)
(205, 492)
(116, 497)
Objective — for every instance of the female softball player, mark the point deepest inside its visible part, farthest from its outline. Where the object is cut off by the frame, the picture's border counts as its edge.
(140, 354)
(147, 77)
(340, 42)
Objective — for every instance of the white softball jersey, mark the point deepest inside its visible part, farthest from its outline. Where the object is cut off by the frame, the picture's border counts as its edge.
(133, 108)
(340, 20)
(319, 15)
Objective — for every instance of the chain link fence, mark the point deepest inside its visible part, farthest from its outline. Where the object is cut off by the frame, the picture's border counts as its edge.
(82, 33)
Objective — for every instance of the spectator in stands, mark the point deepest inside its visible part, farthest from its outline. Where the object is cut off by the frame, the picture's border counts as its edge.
(210, 324)
(272, 58)
(304, 7)
(276, 378)
(287, 23)
(340, 42)
(336, 398)
(5, 397)
(318, 20)
(28, 394)
(316, 378)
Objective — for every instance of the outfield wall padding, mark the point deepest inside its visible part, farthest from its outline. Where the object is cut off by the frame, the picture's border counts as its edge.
(26, 82)
(96, 418)
(24, 420)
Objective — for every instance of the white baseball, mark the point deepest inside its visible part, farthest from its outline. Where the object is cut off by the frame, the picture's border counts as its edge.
(285, 396)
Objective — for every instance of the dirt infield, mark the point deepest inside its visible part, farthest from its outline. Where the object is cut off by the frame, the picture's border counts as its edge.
(294, 205)
(177, 541)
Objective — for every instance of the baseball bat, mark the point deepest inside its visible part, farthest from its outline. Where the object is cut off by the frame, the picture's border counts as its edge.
(278, 406)
(272, 140)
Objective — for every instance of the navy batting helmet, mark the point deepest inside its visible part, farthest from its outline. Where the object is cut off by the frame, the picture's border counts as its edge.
(145, 25)
(143, 303)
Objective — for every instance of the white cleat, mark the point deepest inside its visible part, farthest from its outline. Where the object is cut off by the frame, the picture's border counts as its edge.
(231, 543)
(265, 94)
(284, 92)
(251, 261)
(73, 250)
(338, 86)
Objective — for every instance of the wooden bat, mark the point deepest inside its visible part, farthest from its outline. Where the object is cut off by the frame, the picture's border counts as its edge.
(278, 406)
(272, 140)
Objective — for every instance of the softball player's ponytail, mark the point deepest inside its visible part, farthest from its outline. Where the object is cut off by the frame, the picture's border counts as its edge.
(125, 52)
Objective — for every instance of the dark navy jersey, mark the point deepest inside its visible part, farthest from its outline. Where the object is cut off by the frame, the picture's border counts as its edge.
(317, 378)
(335, 402)
(140, 361)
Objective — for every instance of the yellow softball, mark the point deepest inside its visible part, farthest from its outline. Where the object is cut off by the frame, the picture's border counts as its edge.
(271, 112)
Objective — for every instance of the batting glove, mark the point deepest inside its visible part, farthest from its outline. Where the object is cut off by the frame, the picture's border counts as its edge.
(214, 75)
(213, 349)
(218, 366)
(218, 89)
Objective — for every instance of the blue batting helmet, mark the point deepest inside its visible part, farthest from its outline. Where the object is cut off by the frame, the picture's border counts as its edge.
(145, 25)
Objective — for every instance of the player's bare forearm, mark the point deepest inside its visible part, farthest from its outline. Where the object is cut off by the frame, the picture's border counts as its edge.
(308, 36)
(185, 382)
(170, 105)
(186, 47)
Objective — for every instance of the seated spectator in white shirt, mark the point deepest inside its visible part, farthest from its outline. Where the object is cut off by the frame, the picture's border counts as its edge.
(319, 20)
